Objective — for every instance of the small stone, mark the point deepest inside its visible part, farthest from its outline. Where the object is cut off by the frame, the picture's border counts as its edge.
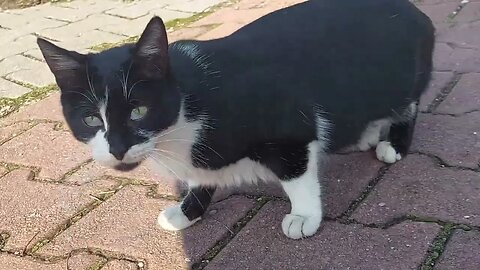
(140, 264)
(464, 2)
(474, 133)
(382, 204)
(467, 217)
(213, 212)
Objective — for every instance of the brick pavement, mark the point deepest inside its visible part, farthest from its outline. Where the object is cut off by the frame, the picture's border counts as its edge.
(60, 210)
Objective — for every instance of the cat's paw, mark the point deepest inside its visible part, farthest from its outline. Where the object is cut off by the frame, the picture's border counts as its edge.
(386, 153)
(296, 227)
(173, 219)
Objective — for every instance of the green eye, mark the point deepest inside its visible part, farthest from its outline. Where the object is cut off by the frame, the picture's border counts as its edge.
(92, 121)
(138, 113)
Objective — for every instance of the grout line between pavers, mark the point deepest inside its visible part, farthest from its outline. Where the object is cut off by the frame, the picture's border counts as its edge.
(437, 247)
(444, 92)
(31, 125)
(229, 235)
(442, 164)
(457, 114)
(364, 194)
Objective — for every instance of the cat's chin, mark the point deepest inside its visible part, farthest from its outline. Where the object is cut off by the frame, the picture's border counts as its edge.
(125, 167)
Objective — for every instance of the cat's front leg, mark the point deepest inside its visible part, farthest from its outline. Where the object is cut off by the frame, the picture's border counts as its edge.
(304, 192)
(189, 211)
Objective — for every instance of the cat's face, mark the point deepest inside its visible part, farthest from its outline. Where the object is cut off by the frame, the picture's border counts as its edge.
(119, 100)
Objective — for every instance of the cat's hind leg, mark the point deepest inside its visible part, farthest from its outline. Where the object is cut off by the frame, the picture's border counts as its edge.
(399, 136)
(189, 211)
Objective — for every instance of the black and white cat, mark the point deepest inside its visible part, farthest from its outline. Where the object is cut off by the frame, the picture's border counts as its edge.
(268, 102)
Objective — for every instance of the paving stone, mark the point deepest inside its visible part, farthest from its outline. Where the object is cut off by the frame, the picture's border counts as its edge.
(45, 109)
(17, 45)
(463, 35)
(13, 130)
(93, 6)
(26, 70)
(262, 245)
(3, 171)
(132, 230)
(469, 13)
(137, 9)
(439, 13)
(83, 29)
(448, 58)
(433, 2)
(94, 171)
(438, 82)
(417, 186)
(188, 33)
(465, 96)
(120, 265)
(64, 152)
(220, 31)
(12, 90)
(169, 15)
(89, 39)
(232, 16)
(27, 24)
(55, 12)
(453, 139)
(83, 261)
(35, 53)
(9, 262)
(34, 209)
(192, 5)
(345, 178)
(461, 252)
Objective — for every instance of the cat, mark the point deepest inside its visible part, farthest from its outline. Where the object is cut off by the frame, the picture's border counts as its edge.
(268, 102)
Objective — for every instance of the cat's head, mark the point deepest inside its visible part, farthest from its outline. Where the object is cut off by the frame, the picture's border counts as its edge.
(118, 100)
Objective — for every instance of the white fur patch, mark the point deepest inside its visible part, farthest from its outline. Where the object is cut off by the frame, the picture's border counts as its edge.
(173, 219)
(304, 193)
(101, 150)
(371, 135)
(386, 153)
(172, 158)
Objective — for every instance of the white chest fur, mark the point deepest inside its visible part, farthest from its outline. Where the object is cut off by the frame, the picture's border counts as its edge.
(172, 159)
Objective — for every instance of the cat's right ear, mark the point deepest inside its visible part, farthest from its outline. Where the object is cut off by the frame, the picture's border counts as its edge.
(64, 64)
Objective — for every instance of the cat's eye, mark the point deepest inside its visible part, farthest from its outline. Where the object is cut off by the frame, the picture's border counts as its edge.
(138, 113)
(92, 121)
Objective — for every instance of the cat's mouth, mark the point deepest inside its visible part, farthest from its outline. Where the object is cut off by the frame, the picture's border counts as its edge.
(124, 167)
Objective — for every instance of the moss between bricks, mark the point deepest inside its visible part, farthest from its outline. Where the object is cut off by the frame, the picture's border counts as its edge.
(170, 25)
(10, 105)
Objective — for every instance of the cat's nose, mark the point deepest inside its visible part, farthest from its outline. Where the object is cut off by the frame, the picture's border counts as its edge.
(118, 153)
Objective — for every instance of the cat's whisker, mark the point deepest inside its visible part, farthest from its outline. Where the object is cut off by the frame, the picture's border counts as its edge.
(92, 88)
(82, 94)
(133, 87)
(190, 141)
(169, 132)
(170, 169)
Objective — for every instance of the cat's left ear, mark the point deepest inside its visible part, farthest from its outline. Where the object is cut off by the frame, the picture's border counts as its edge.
(152, 50)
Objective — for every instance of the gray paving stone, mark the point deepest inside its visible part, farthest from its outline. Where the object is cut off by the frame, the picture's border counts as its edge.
(88, 39)
(262, 245)
(21, 44)
(82, 28)
(439, 81)
(461, 252)
(439, 12)
(35, 53)
(138, 8)
(469, 13)
(462, 59)
(465, 96)
(55, 12)
(93, 6)
(454, 139)
(192, 5)
(26, 70)
(168, 15)
(418, 186)
(12, 90)
(27, 24)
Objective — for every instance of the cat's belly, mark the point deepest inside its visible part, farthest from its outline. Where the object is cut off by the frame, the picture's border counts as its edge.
(243, 171)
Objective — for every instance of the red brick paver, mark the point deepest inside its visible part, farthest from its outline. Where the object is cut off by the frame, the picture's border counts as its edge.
(60, 210)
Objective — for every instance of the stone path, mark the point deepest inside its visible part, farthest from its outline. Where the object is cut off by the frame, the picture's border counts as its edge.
(60, 210)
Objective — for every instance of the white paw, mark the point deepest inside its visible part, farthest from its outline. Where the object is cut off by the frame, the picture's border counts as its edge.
(296, 227)
(386, 152)
(173, 219)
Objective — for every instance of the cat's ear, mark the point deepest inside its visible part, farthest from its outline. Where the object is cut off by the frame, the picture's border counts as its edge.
(64, 64)
(152, 49)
